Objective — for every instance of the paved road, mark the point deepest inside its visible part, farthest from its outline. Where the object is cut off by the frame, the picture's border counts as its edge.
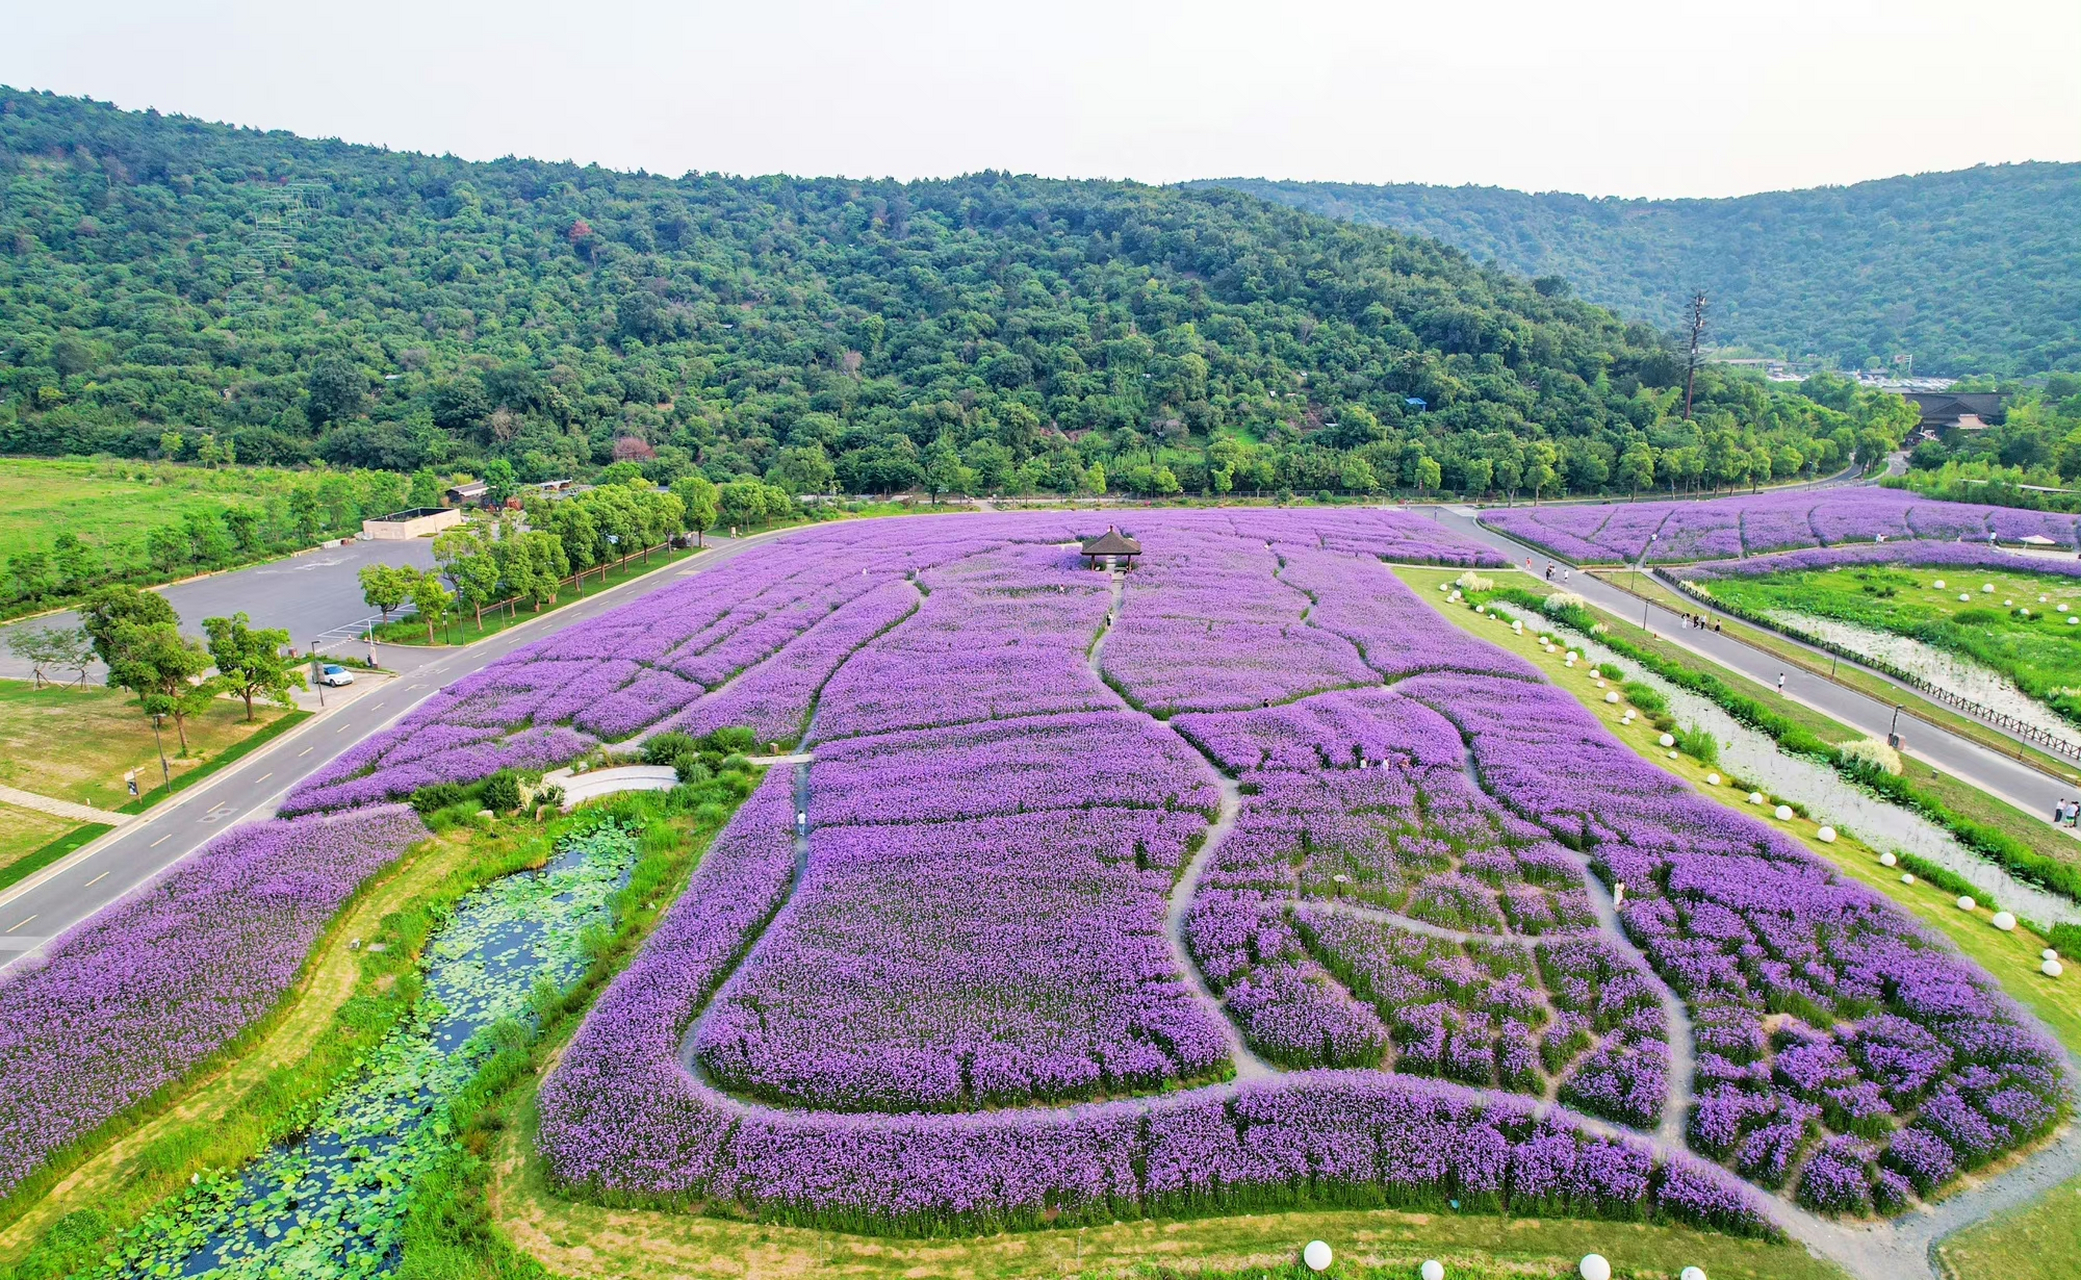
(305, 594)
(68, 892)
(2019, 784)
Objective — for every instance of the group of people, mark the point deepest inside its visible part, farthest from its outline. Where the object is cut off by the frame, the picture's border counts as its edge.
(2067, 813)
(1565, 571)
(1700, 621)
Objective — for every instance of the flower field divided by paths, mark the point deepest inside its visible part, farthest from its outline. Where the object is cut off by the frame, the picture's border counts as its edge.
(128, 1001)
(1758, 524)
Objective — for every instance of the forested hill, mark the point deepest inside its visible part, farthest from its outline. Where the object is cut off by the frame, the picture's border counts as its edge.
(175, 288)
(1977, 271)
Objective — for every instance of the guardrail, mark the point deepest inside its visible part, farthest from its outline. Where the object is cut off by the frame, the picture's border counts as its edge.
(2008, 724)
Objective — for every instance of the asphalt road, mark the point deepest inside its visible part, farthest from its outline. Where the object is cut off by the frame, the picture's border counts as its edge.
(305, 594)
(64, 894)
(2019, 784)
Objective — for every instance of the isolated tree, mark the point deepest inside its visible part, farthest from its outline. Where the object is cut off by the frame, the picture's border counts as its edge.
(433, 601)
(1428, 474)
(250, 663)
(50, 647)
(162, 667)
(386, 586)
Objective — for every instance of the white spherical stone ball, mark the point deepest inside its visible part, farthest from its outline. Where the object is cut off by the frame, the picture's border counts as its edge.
(2043, 599)
(1825, 835)
(1316, 1255)
(1755, 797)
(1692, 1273)
(1594, 1267)
(1987, 588)
(1612, 697)
(2074, 620)
(1940, 584)
(1783, 812)
(1888, 860)
(1672, 755)
(1666, 740)
(2059, 608)
(2048, 954)
(1712, 779)
(1907, 878)
(1963, 598)
(1481, 608)
(2005, 921)
(1432, 1269)
(1965, 902)
(2052, 968)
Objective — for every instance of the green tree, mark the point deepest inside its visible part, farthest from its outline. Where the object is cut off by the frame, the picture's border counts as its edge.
(498, 474)
(433, 601)
(106, 612)
(1637, 467)
(464, 554)
(335, 390)
(384, 587)
(702, 503)
(250, 663)
(806, 469)
(426, 489)
(163, 668)
(1428, 474)
(64, 648)
(943, 470)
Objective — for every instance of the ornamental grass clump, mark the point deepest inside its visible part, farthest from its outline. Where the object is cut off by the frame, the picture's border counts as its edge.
(1870, 754)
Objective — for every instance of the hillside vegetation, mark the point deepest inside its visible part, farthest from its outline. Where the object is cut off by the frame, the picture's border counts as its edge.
(1976, 271)
(168, 286)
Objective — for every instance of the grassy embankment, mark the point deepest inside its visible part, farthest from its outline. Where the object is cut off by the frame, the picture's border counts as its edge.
(1796, 656)
(465, 628)
(2038, 1242)
(75, 744)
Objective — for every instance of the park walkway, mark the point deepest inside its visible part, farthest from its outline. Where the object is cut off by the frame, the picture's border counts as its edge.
(62, 808)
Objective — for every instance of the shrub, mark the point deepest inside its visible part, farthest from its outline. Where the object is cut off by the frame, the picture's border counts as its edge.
(1698, 744)
(734, 738)
(691, 770)
(501, 792)
(1644, 696)
(666, 748)
(2065, 938)
(1870, 753)
(438, 796)
(1472, 581)
(1562, 602)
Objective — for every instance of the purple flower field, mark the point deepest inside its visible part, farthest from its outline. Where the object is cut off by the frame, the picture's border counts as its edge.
(1921, 552)
(128, 1001)
(1758, 524)
(1242, 879)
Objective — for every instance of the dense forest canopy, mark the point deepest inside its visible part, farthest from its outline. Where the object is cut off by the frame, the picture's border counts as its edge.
(1976, 271)
(171, 288)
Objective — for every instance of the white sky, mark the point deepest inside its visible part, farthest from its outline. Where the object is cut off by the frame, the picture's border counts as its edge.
(1618, 97)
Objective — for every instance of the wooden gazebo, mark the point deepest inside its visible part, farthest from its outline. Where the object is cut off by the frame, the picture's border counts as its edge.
(1113, 546)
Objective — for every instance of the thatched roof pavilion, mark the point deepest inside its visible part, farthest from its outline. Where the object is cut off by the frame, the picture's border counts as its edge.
(1113, 545)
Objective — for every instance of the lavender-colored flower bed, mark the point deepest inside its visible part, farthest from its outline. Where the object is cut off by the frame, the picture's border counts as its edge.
(1967, 555)
(1671, 532)
(142, 991)
(967, 964)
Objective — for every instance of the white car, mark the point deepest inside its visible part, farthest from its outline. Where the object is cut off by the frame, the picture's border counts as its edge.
(334, 675)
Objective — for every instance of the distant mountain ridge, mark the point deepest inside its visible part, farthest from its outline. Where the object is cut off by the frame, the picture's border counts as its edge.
(1972, 271)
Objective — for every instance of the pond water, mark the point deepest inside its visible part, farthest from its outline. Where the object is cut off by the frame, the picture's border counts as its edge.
(1753, 755)
(332, 1203)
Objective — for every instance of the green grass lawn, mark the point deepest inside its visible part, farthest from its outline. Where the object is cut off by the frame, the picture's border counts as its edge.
(2009, 629)
(465, 628)
(107, 501)
(75, 744)
(23, 832)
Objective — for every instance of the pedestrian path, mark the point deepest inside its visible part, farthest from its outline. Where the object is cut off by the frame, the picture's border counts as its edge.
(62, 808)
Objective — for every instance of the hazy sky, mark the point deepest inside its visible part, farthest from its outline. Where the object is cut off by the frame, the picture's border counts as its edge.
(1618, 97)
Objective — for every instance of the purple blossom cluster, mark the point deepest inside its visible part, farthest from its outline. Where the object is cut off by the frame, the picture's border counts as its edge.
(128, 1001)
(1918, 553)
(1820, 1009)
(959, 965)
(531, 750)
(1757, 524)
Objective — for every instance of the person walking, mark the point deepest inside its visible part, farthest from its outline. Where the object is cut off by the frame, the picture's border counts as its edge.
(1781, 682)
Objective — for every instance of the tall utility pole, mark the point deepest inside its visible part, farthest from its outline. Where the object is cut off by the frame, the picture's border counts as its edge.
(1697, 332)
